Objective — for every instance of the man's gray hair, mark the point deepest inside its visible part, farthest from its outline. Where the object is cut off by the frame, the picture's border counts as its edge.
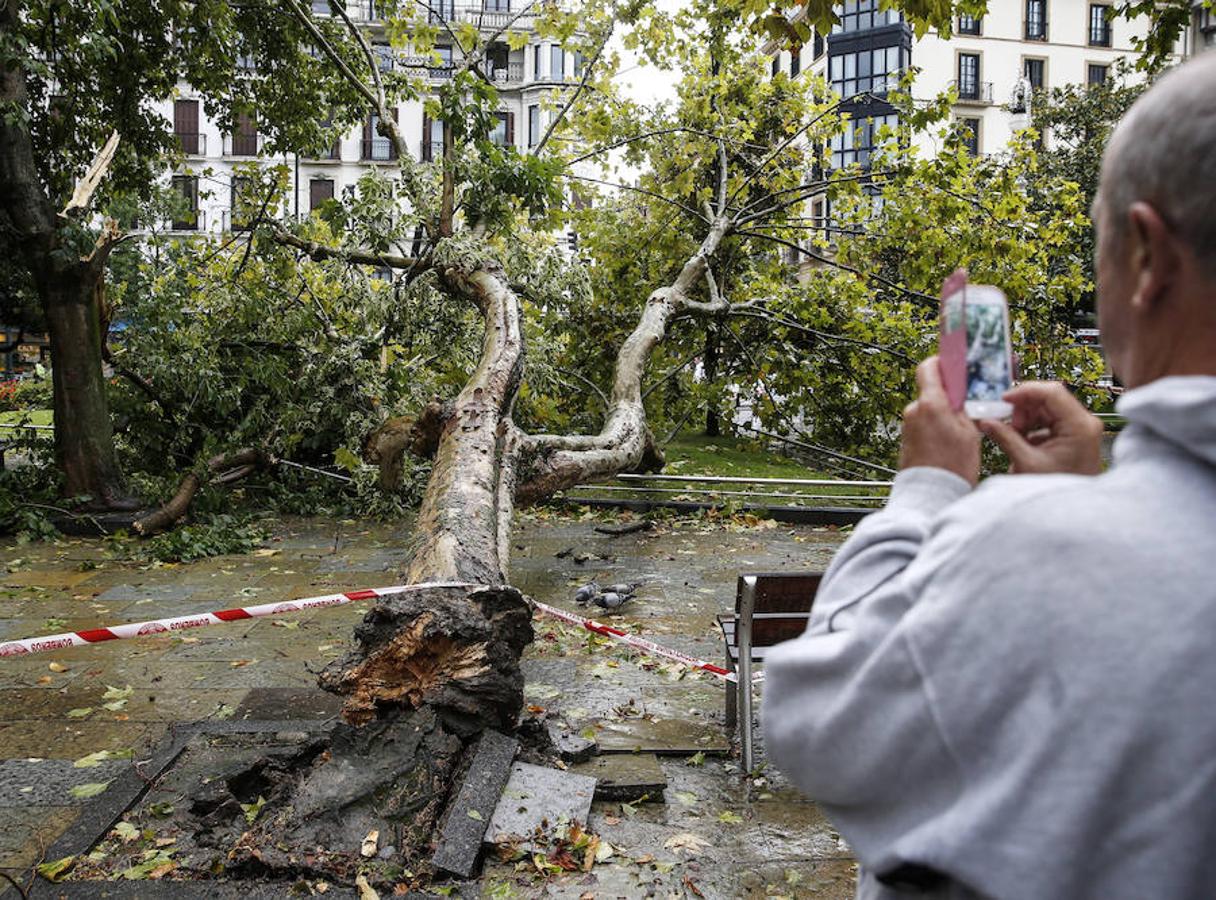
(1164, 153)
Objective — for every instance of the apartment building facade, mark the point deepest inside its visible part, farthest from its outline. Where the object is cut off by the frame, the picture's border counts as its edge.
(209, 177)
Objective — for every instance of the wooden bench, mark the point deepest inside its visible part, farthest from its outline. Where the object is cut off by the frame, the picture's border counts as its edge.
(770, 607)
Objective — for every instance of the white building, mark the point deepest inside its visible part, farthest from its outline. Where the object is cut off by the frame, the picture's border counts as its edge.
(208, 177)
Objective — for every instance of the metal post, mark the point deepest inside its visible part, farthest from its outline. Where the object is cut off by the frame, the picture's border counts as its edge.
(747, 609)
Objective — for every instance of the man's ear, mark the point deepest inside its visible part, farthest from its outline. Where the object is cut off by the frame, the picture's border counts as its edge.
(1155, 257)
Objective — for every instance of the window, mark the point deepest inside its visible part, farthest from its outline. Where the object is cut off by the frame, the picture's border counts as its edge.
(1034, 70)
(580, 63)
(866, 70)
(503, 133)
(969, 129)
(497, 5)
(321, 6)
(776, 64)
(384, 56)
(1036, 20)
(185, 127)
(817, 48)
(533, 126)
(856, 143)
(441, 10)
(319, 190)
(245, 137)
(432, 138)
(240, 215)
(795, 61)
(557, 62)
(1205, 22)
(969, 76)
(1096, 74)
(376, 147)
(969, 24)
(444, 69)
(186, 218)
(536, 51)
(862, 15)
(1099, 25)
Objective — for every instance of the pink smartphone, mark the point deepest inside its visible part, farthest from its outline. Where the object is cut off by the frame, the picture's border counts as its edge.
(974, 351)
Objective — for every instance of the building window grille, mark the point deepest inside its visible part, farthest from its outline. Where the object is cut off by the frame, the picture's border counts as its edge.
(1036, 20)
(1096, 73)
(1099, 25)
(866, 70)
(1034, 71)
(969, 24)
(862, 15)
(186, 217)
(968, 76)
(969, 131)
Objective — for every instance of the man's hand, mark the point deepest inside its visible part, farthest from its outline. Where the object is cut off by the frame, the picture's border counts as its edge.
(936, 435)
(1051, 431)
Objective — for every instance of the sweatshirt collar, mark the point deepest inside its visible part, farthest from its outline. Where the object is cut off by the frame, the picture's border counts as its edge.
(1180, 410)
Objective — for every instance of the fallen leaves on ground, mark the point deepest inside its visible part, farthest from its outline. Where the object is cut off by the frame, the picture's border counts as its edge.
(54, 871)
(366, 891)
(96, 759)
(85, 791)
(686, 840)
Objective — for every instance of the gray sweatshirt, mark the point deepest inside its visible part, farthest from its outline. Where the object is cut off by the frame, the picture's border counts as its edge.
(1015, 686)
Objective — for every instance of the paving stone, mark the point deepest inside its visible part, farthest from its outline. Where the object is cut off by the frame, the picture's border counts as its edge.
(666, 737)
(25, 832)
(625, 776)
(539, 798)
(288, 703)
(72, 740)
(570, 745)
(47, 782)
(469, 815)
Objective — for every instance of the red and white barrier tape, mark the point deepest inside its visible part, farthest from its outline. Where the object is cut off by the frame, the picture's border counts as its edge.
(197, 620)
(217, 617)
(648, 647)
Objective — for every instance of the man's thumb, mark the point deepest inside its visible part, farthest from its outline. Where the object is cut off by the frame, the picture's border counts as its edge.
(1008, 439)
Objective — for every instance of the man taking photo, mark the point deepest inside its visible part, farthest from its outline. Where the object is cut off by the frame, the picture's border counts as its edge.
(1010, 690)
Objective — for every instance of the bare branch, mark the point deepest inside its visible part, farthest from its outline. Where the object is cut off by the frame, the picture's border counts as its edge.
(626, 187)
(755, 312)
(358, 257)
(588, 382)
(335, 57)
(921, 297)
(659, 132)
(782, 146)
(670, 374)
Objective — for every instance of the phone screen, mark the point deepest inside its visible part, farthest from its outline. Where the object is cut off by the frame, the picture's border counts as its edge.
(989, 356)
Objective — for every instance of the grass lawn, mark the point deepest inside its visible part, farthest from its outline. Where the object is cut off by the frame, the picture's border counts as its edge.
(729, 457)
(36, 417)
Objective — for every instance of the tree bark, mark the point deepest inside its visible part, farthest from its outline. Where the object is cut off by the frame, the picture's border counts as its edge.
(713, 427)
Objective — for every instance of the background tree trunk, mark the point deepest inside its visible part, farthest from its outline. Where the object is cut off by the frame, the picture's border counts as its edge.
(713, 426)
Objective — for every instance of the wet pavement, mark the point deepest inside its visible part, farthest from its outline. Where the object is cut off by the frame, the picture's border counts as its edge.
(73, 719)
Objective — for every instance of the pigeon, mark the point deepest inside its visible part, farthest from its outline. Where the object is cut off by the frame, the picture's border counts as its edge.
(610, 600)
(586, 593)
(625, 589)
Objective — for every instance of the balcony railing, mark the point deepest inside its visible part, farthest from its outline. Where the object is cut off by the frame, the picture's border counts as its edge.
(976, 92)
(192, 143)
(512, 73)
(242, 144)
(377, 149)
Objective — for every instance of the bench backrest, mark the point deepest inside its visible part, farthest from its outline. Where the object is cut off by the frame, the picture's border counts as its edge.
(783, 603)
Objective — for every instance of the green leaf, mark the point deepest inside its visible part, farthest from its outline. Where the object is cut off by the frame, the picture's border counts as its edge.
(126, 831)
(474, 814)
(697, 759)
(347, 460)
(729, 817)
(253, 810)
(80, 712)
(95, 759)
(113, 693)
(92, 789)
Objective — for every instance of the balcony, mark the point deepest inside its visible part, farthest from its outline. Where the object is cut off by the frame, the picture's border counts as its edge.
(192, 143)
(973, 93)
(512, 73)
(243, 144)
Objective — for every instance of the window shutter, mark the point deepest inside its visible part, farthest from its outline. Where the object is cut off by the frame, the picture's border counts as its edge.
(510, 129)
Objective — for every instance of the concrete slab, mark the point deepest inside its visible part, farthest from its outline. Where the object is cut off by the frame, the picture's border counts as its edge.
(570, 745)
(628, 777)
(48, 782)
(468, 817)
(288, 703)
(537, 800)
(666, 737)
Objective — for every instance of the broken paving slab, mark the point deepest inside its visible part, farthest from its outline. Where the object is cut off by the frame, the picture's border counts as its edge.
(468, 817)
(268, 703)
(628, 777)
(571, 746)
(538, 799)
(665, 737)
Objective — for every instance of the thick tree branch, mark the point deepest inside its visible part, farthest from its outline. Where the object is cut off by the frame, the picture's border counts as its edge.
(321, 252)
(87, 186)
(220, 469)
